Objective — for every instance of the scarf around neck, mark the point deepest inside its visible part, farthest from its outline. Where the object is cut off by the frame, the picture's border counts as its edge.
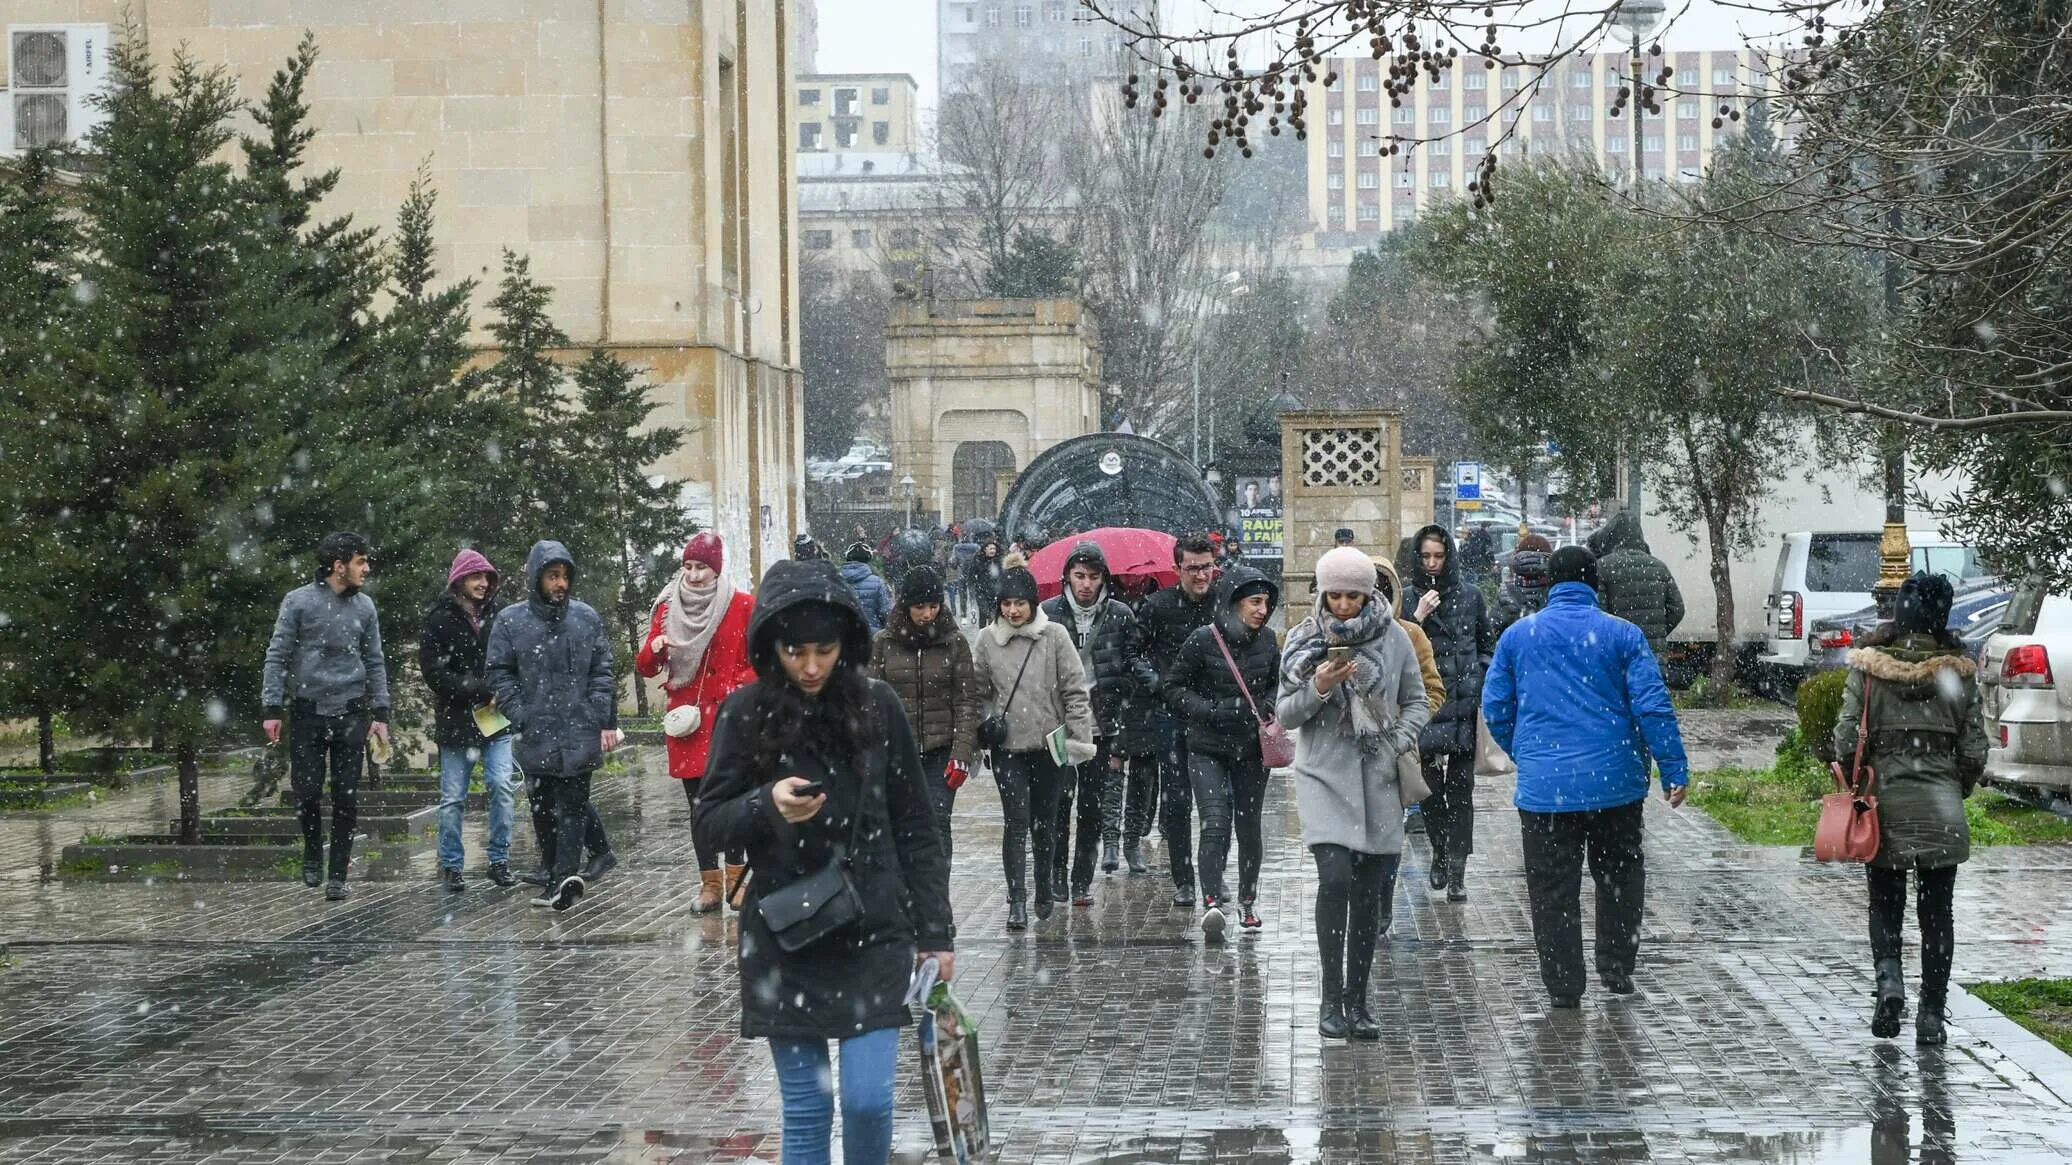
(691, 619)
(1362, 697)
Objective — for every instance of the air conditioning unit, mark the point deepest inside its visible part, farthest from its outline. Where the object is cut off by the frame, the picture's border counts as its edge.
(55, 71)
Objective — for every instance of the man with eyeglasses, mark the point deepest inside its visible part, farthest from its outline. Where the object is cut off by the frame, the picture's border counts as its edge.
(1165, 621)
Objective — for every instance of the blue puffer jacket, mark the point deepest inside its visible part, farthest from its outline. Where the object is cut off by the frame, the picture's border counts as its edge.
(550, 666)
(1574, 695)
(871, 593)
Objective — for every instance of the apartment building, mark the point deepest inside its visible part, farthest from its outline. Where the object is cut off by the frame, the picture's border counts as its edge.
(1057, 33)
(872, 112)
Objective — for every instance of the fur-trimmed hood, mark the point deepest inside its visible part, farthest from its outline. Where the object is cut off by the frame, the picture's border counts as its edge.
(1907, 667)
(1004, 632)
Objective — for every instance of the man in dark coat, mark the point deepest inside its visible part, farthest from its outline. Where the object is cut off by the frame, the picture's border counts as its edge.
(1633, 584)
(1525, 592)
(550, 667)
(1104, 630)
(451, 653)
(1166, 619)
(1456, 620)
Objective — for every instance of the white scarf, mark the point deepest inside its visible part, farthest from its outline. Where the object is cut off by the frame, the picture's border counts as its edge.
(692, 619)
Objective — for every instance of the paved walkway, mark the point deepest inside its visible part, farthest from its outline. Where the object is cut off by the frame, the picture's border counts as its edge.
(255, 1023)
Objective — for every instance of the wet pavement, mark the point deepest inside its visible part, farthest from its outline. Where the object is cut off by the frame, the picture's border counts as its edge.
(253, 1022)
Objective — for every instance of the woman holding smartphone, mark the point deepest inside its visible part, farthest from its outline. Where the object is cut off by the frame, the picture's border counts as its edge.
(813, 766)
(1352, 692)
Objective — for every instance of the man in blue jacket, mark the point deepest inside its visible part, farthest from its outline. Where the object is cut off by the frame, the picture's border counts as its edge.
(1574, 695)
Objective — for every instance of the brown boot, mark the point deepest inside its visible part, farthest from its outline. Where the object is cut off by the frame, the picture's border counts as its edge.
(737, 885)
(708, 892)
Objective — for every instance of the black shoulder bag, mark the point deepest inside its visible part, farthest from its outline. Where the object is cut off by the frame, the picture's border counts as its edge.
(809, 910)
(992, 731)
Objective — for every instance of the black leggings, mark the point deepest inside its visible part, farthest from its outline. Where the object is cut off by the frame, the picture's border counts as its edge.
(1352, 889)
(1232, 794)
(1029, 786)
(707, 859)
(1932, 894)
(1450, 810)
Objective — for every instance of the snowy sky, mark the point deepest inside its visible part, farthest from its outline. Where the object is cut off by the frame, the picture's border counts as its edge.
(898, 36)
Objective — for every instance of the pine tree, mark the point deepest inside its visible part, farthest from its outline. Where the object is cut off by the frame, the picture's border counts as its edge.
(528, 380)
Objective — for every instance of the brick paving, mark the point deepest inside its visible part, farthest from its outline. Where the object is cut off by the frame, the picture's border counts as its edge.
(252, 1022)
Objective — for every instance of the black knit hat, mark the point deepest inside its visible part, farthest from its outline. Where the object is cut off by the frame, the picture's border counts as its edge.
(1923, 603)
(921, 585)
(1018, 584)
(858, 552)
(1573, 564)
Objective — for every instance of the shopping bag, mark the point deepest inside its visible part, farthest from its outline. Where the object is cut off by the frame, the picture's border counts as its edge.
(951, 1079)
(1490, 760)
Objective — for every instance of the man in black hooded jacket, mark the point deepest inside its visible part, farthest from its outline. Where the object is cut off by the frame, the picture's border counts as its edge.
(1632, 583)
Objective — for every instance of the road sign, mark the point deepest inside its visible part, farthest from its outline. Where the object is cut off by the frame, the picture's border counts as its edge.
(1467, 504)
(1467, 481)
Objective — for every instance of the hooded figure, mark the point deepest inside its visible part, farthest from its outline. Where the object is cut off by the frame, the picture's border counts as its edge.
(1525, 592)
(982, 577)
(1633, 584)
(852, 736)
(452, 653)
(873, 597)
(1927, 744)
(1454, 617)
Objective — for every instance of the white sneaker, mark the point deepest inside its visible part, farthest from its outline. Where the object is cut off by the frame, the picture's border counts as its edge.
(1212, 921)
(568, 892)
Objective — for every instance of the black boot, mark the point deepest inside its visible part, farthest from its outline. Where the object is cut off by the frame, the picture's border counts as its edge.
(1183, 895)
(1017, 915)
(1457, 879)
(1892, 999)
(1331, 1021)
(1110, 859)
(1360, 1024)
(1437, 873)
(1928, 1022)
(1134, 858)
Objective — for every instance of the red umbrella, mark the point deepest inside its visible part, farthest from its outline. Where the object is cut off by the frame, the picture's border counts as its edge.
(1132, 555)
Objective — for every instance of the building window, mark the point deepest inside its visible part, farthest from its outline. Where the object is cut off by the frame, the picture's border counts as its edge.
(845, 103)
(1370, 116)
(1474, 113)
(859, 239)
(1476, 79)
(1439, 115)
(1438, 180)
(1723, 76)
(1369, 148)
(1335, 117)
(845, 136)
(1510, 78)
(1369, 180)
(809, 97)
(881, 132)
(1404, 115)
(1579, 113)
(1023, 17)
(809, 135)
(1086, 46)
(992, 16)
(1440, 148)
(1370, 212)
(970, 15)
(881, 96)
(1337, 213)
(817, 240)
(1334, 149)
(903, 238)
(1405, 180)
(1334, 181)
(1687, 141)
(1579, 80)
(1054, 12)
(1542, 113)
(1369, 83)
(1615, 145)
(1652, 143)
(1688, 110)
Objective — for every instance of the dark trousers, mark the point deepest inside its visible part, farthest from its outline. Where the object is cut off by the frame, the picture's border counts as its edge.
(337, 745)
(568, 799)
(1449, 812)
(1352, 892)
(1091, 785)
(1029, 786)
(1933, 890)
(1130, 799)
(1556, 846)
(940, 794)
(546, 823)
(707, 859)
(1232, 796)
(1176, 803)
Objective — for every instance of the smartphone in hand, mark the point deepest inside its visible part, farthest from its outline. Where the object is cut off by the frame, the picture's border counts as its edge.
(809, 789)
(1338, 655)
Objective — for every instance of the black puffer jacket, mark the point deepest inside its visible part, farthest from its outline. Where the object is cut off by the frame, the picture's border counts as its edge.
(1526, 592)
(856, 981)
(451, 653)
(1632, 583)
(1166, 619)
(1200, 689)
(550, 665)
(1116, 651)
(1463, 640)
(930, 668)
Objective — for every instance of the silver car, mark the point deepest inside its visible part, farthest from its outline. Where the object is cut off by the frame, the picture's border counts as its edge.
(2028, 713)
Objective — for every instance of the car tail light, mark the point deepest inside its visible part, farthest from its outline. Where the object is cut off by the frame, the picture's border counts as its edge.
(2003, 736)
(1837, 638)
(1791, 615)
(2027, 666)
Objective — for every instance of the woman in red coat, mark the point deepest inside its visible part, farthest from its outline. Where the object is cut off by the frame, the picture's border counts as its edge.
(697, 641)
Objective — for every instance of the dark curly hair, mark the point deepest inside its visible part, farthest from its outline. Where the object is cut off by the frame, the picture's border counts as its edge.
(840, 723)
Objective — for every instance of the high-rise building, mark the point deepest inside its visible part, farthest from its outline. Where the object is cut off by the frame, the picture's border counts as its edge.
(858, 111)
(1056, 32)
(805, 30)
(1443, 128)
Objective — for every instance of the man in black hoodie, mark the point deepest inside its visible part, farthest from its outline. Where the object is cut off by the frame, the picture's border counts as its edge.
(1456, 620)
(1167, 618)
(1632, 583)
(1104, 630)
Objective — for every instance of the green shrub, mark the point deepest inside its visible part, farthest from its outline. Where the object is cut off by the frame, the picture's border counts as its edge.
(1800, 768)
(1819, 703)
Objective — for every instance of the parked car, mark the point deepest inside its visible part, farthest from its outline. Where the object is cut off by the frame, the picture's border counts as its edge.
(1974, 616)
(1829, 575)
(2028, 713)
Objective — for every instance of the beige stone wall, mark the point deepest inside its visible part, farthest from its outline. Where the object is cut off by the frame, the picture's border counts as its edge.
(1323, 494)
(1025, 372)
(590, 135)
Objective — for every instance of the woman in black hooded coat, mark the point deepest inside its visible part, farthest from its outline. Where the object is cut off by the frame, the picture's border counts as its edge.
(814, 715)
(1455, 618)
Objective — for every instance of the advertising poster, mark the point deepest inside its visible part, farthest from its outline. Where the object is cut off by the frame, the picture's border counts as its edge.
(1257, 515)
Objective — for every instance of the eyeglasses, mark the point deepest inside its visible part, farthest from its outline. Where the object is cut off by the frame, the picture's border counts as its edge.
(1199, 568)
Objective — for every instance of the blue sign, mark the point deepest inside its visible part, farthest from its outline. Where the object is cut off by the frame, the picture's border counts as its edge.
(1467, 481)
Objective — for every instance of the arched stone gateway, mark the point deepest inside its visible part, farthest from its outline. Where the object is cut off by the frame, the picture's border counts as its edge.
(976, 470)
(1109, 479)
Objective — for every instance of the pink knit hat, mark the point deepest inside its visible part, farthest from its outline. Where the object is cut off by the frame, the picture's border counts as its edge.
(467, 562)
(706, 547)
(1345, 570)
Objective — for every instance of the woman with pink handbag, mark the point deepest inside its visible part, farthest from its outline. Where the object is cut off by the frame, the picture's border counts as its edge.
(1222, 686)
(1910, 715)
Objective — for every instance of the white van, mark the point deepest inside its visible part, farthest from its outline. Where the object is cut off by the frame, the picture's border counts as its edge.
(1822, 574)
(2028, 711)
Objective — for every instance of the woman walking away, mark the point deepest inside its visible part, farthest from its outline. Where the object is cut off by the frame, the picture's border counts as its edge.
(1390, 587)
(1456, 620)
(1221, 683)
(924, 658)
(814, 770)
(1029, 676)
(1927, 743)
(697, 641)
(1351, 691)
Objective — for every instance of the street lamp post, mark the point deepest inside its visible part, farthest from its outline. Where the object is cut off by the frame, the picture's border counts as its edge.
(1638, 18)
(907, 484)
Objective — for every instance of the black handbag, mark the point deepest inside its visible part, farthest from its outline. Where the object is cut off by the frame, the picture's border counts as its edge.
(992, 731)
(809, 910)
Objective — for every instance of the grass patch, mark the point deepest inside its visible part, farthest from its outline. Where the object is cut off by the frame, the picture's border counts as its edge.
(15, 800)
(1780, 805)
(2044, 1006)
(83, 867)
(1701, 695)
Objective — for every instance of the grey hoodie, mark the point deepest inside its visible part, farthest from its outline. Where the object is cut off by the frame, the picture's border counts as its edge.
(326, 649)
(550, 666)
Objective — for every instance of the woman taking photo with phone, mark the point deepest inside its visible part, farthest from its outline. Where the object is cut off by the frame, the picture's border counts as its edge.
(1352, 692)
(814, 771)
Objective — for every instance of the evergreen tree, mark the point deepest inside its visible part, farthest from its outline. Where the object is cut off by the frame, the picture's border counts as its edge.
(528, 381)
(1035, 266)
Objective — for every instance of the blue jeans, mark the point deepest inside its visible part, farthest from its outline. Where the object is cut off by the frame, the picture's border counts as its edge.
(869, 1062)
(454, 766)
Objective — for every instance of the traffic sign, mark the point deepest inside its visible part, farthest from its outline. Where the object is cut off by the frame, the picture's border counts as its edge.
(1467, 504)
(1467, 481)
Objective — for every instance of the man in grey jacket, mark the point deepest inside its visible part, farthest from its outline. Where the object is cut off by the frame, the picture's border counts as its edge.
(550, 665)
(325, 674)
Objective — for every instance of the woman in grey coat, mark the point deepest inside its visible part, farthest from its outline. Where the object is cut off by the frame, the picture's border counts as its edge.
(1353, 718)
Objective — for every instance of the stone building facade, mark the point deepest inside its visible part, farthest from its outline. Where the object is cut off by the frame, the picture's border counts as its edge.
(639, 152)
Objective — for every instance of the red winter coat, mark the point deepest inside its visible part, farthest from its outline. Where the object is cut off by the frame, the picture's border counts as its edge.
(724, 668)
